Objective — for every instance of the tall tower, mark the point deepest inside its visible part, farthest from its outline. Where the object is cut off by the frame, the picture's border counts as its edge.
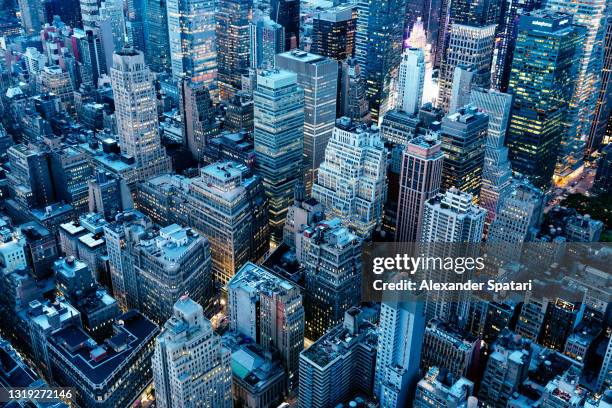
(232, 48)
(136, 113)
(496, 171)
(279, 129)
(189, 362)
(380, 33)
(420, 179)
(402, 327)
(157, 46)
(193, 49)
(287, 14)
(90, 11)
(469, 46)
(592, 15)
(318, 76)
(463, 80)
(463, 142)
(542, 82)
(411, 80)
(267, 39)
(333, 32)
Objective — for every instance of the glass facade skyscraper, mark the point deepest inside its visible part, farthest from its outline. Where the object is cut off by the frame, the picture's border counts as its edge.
(542, 82)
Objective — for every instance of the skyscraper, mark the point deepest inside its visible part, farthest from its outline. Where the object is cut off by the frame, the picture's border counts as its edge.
(402, 326)
(420, 179)
(590, 14)
(232, 48)
(193, 49)
(269, 310)
(379, 58)
(267, 39)
(189, 363)
(136, 113)
(542, 82)
(463, 142)
(333, 32)
(279, 127)
(603, 110)
(506, 40)
(355, 193)
(287, 14)
(463, 81)
(411, 80)
(452, 209)
(136, 15)
(318, 77)
(330, 254)
(157, 45)
(469, 46)
(197, 116)
(352, 101)
(90, 11)
(496, 171)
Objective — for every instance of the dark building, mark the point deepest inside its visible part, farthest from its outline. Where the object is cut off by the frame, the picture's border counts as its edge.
(157, 45)
(333, 32)
(239, 114)
(287, 14)
(603, 179)
(69, 11)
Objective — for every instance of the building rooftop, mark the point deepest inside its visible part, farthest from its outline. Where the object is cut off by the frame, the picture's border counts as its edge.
(256, 279)
(170, 244)
(50, 315)
(97, 362)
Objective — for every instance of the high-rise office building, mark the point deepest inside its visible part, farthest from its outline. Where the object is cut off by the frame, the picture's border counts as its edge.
(90, 11)
(451, 217)
(605, 374)
(330, 255)
(318, 77)
(190, 365)
(519, 214)
(461, 88)
(333, 369)
(287, 14)
(420, 180)
(603, 109)
(506, 40)
(169, 264)
(193, 49)
(402, 326)
(463, 136)
(592, 15)
(279, 127)
(136, 113)
(351, 193)
(352, 101)
(496, 171)
(157, 45)
(267, 39)
(135, 24)
(269, 310)
(333, 32)
(197, 116)
(542, 82)
(232, 48)
(380, 58)
(471, 46)
(411, 81)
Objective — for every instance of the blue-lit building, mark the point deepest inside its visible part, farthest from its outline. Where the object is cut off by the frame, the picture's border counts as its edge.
(542, 82)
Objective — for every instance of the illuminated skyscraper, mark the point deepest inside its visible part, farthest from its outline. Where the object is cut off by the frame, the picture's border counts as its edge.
(333, 32)
(136, 113)
(193, 49)
(411, 80)
(267, 39)
(189, 362)
(468, 46)
(279, 129)
(496, 171)
(232, 45)
(318, 76)
(380, 31)
(463, 143)
(420, 179)
(542, 82)
(590, 14)
(351, 183)
(157, 45)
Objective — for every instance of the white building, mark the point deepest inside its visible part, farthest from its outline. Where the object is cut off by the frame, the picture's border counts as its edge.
(190, 365)
(351, 182)
(411, 80)
(136, 113)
